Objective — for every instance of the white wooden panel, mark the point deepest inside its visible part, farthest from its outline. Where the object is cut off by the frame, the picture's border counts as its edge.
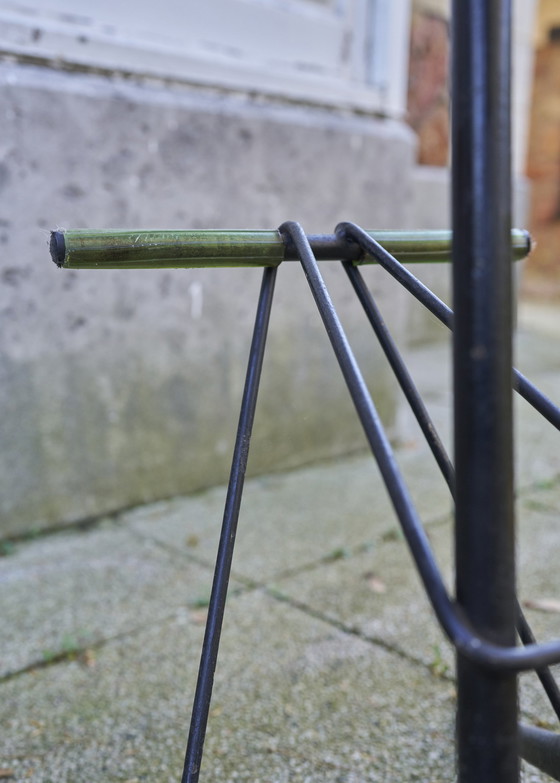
(303, 49)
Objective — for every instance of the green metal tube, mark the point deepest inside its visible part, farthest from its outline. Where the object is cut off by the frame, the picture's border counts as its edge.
(119, 249)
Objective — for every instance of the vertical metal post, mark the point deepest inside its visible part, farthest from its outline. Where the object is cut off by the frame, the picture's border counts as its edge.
(487, 700)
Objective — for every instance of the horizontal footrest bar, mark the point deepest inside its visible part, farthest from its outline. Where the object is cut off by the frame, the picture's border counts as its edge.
(118, 249)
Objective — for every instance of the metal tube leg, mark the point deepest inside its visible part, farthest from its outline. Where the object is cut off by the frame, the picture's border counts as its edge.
(203, 694)
(401, 373)
(417, 405)
(542, 749)
(544, 674)
(487, 700)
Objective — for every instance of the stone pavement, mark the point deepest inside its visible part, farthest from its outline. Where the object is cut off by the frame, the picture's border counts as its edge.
(332, 667)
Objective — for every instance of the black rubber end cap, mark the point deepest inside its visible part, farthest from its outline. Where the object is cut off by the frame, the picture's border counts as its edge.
(58, 247)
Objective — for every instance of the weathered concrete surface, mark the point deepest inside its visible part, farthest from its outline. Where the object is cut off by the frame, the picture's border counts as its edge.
(295, 699)
(332, 667)
(350, 508)
(96, 585)
(122, 387)
(107, 377)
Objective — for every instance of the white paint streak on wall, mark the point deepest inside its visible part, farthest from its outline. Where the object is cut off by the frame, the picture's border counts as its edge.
(196, 299)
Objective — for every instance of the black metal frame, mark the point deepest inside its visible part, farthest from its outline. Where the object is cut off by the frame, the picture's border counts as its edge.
(489, 658)
(482, 621)
(487, 740)
(484, 617)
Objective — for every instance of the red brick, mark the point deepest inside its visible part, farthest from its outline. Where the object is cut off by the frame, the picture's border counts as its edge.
(428, 92)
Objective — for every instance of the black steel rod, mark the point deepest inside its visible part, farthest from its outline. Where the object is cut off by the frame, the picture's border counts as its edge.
(402, 374)
(203, 694)
(399, 272)
(424, 421)
(443, 313)
(487, 737)
(373, 429)
(542, 749)
(544, 674)
(471, 645)
(537, 399)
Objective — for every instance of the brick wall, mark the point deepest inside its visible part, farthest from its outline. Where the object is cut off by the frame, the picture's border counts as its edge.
(428, 91)
(543, 168)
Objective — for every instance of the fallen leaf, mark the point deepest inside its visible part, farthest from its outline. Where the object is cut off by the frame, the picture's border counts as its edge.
(199, 618)
(408, 444)
(543, 604)
(87, 658)
(544, 724)
(192, 541)
(375, 584)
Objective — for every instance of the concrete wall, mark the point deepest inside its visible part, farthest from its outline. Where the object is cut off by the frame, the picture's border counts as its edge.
(121, 387)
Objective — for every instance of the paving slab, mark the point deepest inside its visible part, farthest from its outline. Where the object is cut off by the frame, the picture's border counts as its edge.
(537, 442)
(379, 594)
(295, 700)
(291, 520)
(332, 666)
(544, 496)
(71, 590)
(536, 352)
(538, 549)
